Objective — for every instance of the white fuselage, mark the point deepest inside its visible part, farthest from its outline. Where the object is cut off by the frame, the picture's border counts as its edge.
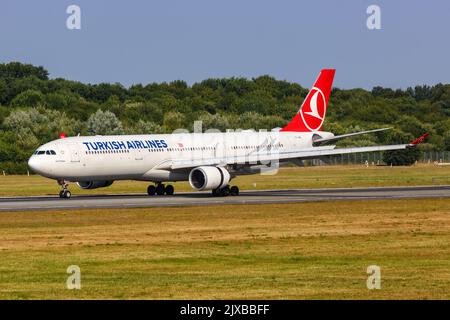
(137, 157)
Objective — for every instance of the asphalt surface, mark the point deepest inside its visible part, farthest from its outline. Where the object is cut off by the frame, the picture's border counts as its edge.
(205, 198)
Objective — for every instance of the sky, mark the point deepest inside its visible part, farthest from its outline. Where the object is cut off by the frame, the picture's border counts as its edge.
(164, 40)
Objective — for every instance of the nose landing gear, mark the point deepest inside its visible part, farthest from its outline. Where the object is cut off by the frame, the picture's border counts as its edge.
(64, 193)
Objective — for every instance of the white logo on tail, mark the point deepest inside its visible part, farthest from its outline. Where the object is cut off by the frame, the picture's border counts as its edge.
(313, 106)
(313, 119)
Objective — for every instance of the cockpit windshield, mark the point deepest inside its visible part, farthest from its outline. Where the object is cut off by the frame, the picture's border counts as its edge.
(49, 152)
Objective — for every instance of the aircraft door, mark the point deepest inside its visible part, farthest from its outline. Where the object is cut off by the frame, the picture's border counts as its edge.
(138, 154)
(61, 153)
(74, 152)
(296, 141)
(220, 151)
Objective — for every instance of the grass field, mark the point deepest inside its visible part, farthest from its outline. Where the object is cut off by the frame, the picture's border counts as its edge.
(306, 177)
(298, 251)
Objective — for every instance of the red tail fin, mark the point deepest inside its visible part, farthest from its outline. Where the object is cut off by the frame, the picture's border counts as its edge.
(311, 115)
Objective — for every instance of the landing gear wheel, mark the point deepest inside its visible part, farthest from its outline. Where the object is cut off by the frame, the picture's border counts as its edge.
(225, 191)
(169, 189)
(65, 194)
(234, 191)
(160, 189)
(151, 190)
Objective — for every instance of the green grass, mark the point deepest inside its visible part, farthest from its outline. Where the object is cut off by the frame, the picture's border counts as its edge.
(298, 251)
(306, 177)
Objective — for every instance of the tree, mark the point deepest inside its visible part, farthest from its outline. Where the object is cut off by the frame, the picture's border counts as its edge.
(104, 123)
(43, 124)
(3, 91)
(145, 127)
(173, 120)
(101, 92)
(214, 121)
(422, 92)
(28, 98)
(29, 118)
(26, 139)
(19, 70)
(405, 157)
(412, 125)
(258, 101)
(58, 100)
(446, 138)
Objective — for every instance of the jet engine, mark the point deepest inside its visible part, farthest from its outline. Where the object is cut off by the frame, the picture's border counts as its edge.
(94, 184)
(208, 178)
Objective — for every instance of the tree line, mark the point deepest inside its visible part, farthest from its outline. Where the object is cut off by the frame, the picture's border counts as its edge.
(34, 109)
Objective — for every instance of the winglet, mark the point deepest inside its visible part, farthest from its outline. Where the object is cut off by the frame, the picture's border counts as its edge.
(419, 139)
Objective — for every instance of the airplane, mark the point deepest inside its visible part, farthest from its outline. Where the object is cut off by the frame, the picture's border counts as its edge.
(209, 161)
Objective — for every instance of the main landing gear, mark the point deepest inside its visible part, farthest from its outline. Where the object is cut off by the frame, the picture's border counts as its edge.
(64, 193)
(160, 189)
(226, 191)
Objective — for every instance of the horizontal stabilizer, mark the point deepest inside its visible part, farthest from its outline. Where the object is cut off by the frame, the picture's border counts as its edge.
(324, 141)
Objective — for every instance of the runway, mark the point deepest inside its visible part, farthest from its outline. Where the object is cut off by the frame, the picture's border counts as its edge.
(205, 198)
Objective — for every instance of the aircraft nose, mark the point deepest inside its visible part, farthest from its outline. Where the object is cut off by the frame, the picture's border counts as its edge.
(34, 163)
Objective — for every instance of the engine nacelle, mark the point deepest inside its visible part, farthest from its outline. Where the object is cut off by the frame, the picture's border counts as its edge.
(208, 178)
(94, 184)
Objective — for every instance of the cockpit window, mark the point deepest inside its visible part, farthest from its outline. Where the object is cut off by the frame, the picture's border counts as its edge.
(49, 152)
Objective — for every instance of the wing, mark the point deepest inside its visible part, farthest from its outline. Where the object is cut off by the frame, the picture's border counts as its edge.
(274, 155)
(324, 141)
